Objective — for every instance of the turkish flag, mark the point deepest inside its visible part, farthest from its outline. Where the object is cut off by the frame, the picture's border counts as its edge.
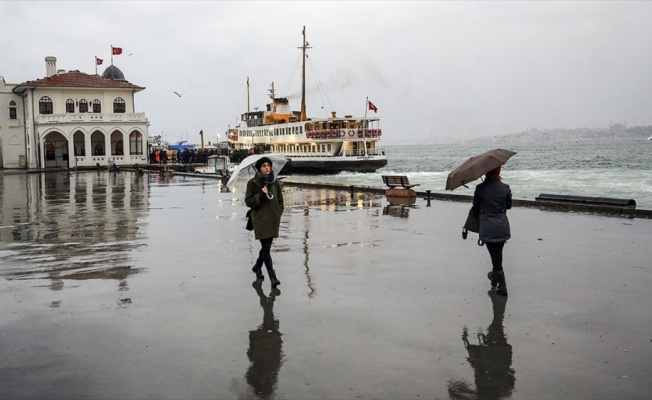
(116, 50)
(98, 61)
(372, 107)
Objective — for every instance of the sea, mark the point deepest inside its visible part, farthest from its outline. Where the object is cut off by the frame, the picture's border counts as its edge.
(613, 168)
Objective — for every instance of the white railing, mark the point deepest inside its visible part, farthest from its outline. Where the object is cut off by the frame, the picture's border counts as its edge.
(72, 118)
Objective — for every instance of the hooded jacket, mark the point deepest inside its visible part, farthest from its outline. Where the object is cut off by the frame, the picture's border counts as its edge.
(265, 213)
(491, 200)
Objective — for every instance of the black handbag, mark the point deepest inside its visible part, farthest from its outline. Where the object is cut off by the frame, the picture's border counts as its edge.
(472, 224)
(250, 223)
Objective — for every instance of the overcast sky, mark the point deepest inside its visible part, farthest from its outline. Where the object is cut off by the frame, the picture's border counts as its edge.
(437, 71)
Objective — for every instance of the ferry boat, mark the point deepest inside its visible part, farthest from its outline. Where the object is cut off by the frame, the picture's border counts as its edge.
(312, 145)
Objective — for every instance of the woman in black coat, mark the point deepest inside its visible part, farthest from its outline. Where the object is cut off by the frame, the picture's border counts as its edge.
(491, 201)
(265, 198)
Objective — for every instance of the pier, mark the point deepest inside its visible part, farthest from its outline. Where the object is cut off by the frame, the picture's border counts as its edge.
(156, 298)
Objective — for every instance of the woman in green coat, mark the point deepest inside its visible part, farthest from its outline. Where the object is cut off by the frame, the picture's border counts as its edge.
(265, 199)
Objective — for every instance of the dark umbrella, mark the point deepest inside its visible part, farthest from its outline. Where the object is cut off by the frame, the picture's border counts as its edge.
(476, 166)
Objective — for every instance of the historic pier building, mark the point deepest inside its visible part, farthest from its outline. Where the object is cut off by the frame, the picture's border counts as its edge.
(71, 119)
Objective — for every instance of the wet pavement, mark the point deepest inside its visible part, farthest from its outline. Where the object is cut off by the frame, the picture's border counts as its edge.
(115, 286)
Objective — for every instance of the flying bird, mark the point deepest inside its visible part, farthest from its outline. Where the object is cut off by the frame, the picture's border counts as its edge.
(178, 94)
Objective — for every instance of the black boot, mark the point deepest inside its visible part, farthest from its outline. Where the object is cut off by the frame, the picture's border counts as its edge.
(492, 278)
(257, 269)
(501, 290)
(272, 276)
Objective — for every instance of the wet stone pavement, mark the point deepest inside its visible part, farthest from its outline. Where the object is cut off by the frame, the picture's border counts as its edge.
(117, 286)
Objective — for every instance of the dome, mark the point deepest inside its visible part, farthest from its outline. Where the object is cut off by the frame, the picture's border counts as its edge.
(113, 72)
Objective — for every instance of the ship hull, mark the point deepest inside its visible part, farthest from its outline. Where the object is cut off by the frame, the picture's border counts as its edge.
(334, 165)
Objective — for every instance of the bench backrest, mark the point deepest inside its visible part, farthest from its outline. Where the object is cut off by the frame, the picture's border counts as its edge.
(395, 180)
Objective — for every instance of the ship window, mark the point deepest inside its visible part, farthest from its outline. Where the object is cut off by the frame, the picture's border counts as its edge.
(70, 106)
(83, 106)
(45, 105)
(12, 110)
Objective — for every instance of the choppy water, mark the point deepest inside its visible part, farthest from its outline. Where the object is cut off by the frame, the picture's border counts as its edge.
(601, 168)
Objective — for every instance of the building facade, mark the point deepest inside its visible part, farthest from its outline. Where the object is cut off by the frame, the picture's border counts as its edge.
(71, 119)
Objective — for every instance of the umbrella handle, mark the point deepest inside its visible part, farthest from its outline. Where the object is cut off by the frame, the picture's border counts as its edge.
(269, 195)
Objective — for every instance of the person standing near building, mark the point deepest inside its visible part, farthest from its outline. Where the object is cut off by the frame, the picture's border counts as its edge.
(264, 197)
(491, 200)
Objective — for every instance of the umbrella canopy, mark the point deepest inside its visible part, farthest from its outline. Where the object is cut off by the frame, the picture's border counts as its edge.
(247, 170)
(476, 166)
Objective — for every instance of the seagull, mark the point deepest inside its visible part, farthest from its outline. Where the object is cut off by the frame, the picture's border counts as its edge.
(131, 54)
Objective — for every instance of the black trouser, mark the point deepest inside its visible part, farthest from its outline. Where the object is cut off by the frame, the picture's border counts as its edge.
(496, 253)
(265, 253)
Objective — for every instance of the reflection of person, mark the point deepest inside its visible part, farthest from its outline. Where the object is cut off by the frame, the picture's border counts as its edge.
(491, 201)
(265, 198)
(265, 345)
(490, 358)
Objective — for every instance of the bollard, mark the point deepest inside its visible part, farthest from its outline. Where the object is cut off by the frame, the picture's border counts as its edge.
(428, 198)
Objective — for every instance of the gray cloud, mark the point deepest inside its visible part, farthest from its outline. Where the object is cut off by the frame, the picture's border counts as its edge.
(437, 71)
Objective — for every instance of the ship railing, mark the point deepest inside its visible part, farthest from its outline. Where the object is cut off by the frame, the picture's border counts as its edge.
(361, 153)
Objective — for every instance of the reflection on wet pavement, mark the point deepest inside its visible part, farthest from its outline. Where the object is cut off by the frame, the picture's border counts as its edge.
(490, 358)
(70, 226)
(121, 286)
(265, 347)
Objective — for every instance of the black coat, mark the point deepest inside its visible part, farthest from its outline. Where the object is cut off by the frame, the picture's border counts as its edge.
(491, 200)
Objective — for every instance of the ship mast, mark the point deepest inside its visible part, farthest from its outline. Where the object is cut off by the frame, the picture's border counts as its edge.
(304, 46)
(248, 110)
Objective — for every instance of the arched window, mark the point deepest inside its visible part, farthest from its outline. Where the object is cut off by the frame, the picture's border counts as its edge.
(45, 105)
(70, 106)
(80, 144)
(12, 110)
(83, 106)
(119, 148)
(97, 143)
(119, 105)
(49, 151)
(135, 143)
(97, 106)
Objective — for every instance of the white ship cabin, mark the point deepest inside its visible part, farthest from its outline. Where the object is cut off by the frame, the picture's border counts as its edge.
(278, 130)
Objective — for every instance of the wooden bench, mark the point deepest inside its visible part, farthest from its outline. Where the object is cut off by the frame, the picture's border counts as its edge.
(399, 186)
(396, 181)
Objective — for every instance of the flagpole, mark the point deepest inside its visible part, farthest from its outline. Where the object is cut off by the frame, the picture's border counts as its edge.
(95, 65)
(366, 107)
(365, 127)
(111, 54)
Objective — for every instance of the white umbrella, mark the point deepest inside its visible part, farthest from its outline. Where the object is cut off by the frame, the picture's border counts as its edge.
(247, 170)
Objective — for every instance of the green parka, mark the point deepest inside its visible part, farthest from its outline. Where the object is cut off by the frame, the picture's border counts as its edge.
(265, 213)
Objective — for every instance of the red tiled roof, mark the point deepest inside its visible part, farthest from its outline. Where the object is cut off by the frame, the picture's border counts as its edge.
(80, 79)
